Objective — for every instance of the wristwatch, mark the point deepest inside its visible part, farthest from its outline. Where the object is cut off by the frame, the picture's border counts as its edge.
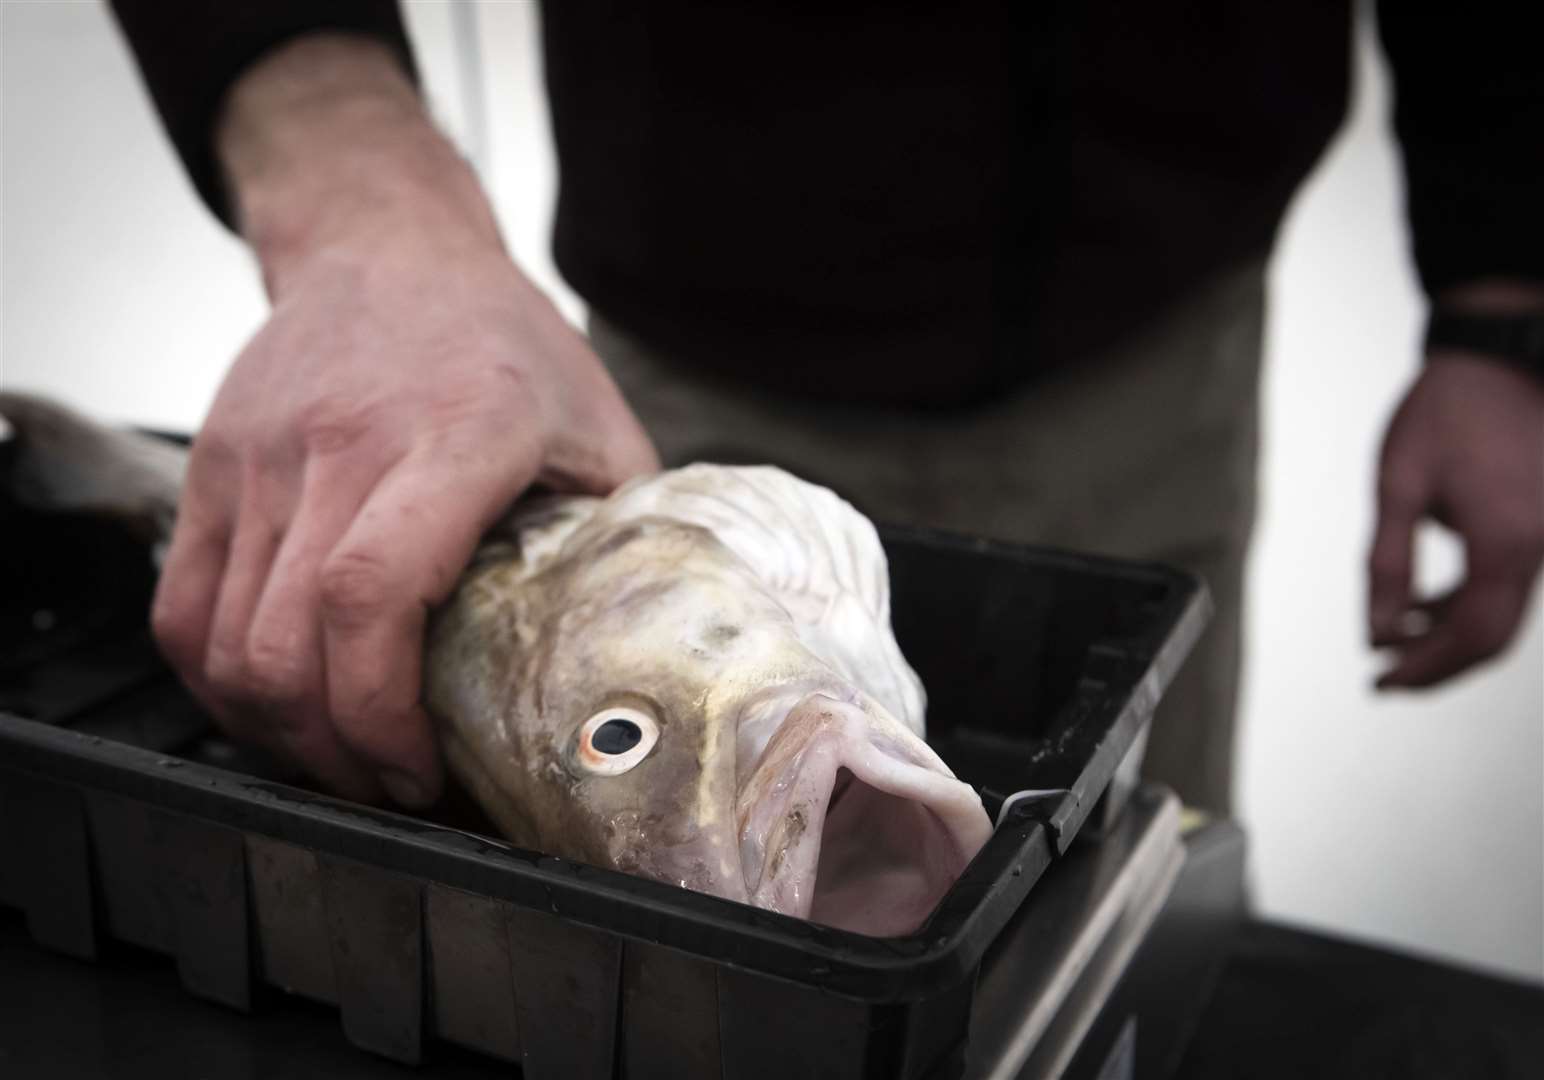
(1515, 340)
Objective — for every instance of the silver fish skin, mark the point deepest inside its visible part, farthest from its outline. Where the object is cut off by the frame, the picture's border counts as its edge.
(693, 680)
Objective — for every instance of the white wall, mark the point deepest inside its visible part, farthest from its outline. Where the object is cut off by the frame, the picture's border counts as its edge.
(1412, 820)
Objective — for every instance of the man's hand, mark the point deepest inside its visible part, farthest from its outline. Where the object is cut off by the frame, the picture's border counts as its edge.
(1466, 447)
(408, 386)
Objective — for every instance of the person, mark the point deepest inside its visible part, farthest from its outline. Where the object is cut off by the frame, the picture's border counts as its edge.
(992, 267)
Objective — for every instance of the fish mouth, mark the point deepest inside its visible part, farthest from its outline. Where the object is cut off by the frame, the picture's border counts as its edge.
(849, 819)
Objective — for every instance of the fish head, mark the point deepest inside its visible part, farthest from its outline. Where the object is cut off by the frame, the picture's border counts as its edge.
(653, 709)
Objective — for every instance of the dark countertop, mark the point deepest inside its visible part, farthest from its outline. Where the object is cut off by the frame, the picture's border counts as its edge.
(1297, 1004)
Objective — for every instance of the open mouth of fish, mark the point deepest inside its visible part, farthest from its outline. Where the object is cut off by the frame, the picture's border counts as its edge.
(853, 822)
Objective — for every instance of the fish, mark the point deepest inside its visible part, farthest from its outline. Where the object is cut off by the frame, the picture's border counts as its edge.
(693, 680)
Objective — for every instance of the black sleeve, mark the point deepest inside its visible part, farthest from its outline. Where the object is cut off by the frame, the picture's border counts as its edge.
(1469, 113)
(190, 52)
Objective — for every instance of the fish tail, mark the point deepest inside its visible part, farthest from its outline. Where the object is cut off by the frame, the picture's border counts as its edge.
(52, 458)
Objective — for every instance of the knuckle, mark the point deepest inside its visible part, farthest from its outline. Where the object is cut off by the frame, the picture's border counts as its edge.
(355, 723)
(364, 726)
(511, 384)
(332, 424)
(215, 452)
(171, 623)
(238, 673)
(354, 585)
(224, 670)
(274, 673)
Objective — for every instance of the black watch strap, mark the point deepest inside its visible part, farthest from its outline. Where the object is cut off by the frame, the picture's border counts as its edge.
(1517, 340)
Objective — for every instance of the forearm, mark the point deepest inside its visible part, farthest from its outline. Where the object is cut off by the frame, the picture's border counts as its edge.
(325, 141)
(191, 52)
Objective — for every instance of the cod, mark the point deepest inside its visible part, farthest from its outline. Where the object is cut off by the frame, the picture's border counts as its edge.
(693, 680)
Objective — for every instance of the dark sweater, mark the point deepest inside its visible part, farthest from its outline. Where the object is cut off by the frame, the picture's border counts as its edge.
(930, 202)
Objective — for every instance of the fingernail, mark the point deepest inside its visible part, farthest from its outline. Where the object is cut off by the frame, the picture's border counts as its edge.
(403, 789)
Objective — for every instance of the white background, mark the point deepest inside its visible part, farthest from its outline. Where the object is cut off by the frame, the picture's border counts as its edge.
(1415, 820)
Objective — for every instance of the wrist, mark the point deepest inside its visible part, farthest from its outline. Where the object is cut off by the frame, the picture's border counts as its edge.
(1492, 296)
(327, 147)
(1495, 321)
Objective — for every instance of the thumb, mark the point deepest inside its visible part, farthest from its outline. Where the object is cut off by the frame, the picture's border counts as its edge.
(599, 447)
(628, 453)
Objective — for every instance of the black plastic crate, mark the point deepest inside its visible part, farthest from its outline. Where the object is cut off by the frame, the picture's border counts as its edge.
(1042, 670)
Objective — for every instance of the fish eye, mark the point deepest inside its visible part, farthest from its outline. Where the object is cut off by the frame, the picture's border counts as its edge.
(614, 740)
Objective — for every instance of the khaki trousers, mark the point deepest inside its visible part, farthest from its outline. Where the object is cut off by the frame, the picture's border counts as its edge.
(1147, 452)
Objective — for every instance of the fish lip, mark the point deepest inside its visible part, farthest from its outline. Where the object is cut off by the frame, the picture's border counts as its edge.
(779, 871)
(780, 701)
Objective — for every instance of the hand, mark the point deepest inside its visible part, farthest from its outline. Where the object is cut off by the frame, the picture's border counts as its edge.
(1466, 447)
(408, 386)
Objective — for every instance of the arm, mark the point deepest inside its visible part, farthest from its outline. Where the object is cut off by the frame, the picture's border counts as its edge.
(409, 384)
(1466, 445)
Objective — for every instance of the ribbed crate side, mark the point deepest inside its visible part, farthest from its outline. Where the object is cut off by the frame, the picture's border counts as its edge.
(771, 1029)
(375, 931)
(10, 878)
(45, 843)
(123, 854)
(201, 877)
(471, 984)
(567, 982)
(669, 1015)
(290, 919)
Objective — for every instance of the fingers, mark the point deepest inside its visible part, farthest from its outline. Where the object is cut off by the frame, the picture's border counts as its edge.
(189, 586)
(236, 615)
(1478, 619)
(283, 641)
(1476, 625)
(246, 571)
(1417, 620)
(307, 635)
(401, 555)
(1401, 500)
